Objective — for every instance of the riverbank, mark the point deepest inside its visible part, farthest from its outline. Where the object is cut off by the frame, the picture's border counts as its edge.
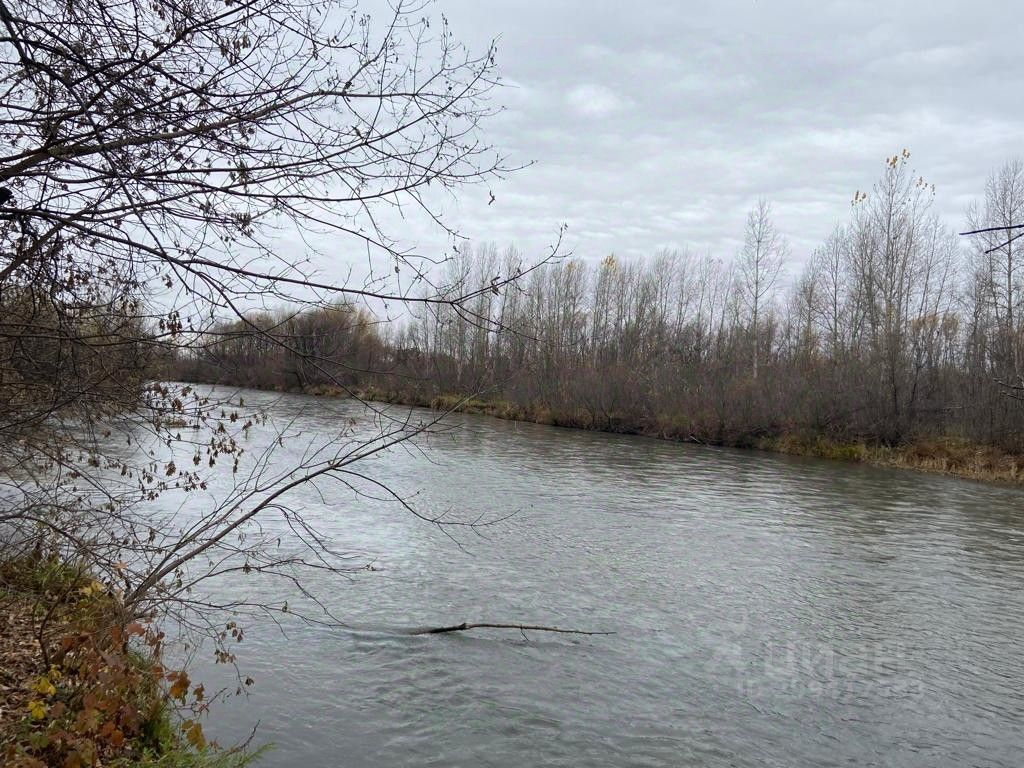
(952, 456)
(80, 685)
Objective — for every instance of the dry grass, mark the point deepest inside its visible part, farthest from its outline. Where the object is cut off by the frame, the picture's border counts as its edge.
(959, 458)
(952, 456)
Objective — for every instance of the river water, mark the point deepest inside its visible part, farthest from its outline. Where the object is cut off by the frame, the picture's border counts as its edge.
(767, 610)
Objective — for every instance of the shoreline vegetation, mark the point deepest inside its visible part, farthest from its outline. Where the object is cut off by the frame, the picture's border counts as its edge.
(950, 456)
(897, 343)
(81, 685)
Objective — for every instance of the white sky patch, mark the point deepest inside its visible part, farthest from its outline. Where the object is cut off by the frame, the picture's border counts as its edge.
(594, 100)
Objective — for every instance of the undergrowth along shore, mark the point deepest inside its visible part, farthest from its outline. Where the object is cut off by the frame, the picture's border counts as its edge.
(81, 685)
(951, 456)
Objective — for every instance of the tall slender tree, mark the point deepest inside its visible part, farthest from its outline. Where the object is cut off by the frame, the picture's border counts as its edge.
(764, 252)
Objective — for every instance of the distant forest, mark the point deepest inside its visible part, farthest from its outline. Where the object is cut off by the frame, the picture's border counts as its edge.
(897, 330)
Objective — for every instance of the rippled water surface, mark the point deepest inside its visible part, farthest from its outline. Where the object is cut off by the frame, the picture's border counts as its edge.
(767, 611)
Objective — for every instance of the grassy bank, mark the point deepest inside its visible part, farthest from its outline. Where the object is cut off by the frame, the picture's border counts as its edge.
(945, 456)
(940, 455)
(82, 686)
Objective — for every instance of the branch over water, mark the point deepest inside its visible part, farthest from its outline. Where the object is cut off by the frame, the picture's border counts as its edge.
(463, 627)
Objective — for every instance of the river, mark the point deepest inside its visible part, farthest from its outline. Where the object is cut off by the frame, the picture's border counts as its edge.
(767, 610)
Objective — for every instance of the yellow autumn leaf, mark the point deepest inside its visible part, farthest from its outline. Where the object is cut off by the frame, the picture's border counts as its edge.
(37, 709)
(45, 687)
(194, 734)
(179, 686)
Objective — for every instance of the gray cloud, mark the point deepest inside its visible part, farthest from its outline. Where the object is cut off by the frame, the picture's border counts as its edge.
(659, 123)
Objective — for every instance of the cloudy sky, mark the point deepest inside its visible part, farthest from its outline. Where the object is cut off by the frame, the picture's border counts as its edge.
(658, 124)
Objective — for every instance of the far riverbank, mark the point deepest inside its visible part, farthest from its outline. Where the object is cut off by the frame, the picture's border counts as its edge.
(952, 456)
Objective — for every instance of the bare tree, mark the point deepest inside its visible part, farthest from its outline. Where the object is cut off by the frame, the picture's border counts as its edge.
(881, 339)
(159, 162)
(764, 252)
(997, 260)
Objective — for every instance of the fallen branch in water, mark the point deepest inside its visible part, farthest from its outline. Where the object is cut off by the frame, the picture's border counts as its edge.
(521, 627)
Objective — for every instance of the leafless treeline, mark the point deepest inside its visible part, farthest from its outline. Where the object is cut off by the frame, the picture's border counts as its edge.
(336, 345)
(895, 329)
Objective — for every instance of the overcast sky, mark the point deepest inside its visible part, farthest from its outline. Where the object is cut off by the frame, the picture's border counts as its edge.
(658, 124)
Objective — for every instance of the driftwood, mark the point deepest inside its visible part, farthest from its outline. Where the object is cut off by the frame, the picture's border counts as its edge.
(521, 627)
